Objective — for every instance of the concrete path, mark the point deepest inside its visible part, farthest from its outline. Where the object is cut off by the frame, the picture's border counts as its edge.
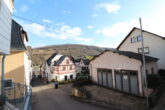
(45, 97)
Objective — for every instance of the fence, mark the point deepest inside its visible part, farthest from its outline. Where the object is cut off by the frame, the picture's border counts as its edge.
(20, 96)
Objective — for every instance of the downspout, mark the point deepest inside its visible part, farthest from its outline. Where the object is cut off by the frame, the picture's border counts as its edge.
(2, 77)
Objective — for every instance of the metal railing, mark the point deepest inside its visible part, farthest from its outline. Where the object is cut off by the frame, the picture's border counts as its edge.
(20, 96)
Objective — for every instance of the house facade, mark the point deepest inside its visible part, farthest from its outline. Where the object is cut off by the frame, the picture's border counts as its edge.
(18, 65)
(120, 70)
(59, 67)
(6, 10)
(153, 45)
(81, 65)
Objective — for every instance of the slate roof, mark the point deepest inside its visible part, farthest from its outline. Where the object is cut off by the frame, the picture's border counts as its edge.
(138, 29)
(59, 61)
(86, 61)
(17, 42)
(129, 54)
(50, 58)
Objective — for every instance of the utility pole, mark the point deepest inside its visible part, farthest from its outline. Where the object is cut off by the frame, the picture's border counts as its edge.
(144, 63)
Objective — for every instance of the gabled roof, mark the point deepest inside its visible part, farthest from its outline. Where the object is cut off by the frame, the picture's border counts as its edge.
(58, 59)
(50, 59)
(86, 61)
(17, 42)
(129, 54)
(138, 29)
(58, 62)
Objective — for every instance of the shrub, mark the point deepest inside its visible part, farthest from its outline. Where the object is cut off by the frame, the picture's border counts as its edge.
(53, 80)
(162, 74)
(81, 79)
(153, 80)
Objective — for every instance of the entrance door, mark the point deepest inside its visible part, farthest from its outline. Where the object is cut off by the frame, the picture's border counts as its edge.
(66, 78)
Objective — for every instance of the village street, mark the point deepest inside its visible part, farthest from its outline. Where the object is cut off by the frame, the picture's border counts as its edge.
(45, 97)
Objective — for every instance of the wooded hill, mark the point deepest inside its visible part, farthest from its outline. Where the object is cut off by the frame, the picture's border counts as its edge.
(40, 54)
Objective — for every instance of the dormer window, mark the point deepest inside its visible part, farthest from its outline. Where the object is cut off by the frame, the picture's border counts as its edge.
(133, 40)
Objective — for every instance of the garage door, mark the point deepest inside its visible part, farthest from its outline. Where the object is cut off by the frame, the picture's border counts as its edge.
(99, 75)
(127, 81)
(104, 74)
(134, 83)
(118, 80)
(109, 78)
(105, 77)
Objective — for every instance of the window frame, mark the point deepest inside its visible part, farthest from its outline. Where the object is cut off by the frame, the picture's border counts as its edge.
(144, 50)
(133, 39)
(12, 85)
(139, 36)
(63, 68)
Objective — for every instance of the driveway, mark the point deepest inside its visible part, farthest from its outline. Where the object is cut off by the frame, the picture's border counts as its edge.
(45, 97)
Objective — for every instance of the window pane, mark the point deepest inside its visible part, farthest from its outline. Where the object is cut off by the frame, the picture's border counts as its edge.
(133, 39)
(139, 38)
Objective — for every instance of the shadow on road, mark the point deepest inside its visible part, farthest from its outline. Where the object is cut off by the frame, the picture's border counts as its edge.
(38, 82)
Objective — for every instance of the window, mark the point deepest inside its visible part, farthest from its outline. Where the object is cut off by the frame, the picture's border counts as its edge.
(71, 76)
(146, 50)
(63, 68)
(70, 68)
(8, 83)
(133, 39)
(152, 70)
(139, 38)
(67, 61)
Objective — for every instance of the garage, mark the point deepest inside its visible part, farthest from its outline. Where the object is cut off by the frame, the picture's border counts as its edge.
(120, 70)
(105, 77)
(127, 81)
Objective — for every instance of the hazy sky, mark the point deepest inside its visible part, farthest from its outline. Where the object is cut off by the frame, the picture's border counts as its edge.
(103, 23)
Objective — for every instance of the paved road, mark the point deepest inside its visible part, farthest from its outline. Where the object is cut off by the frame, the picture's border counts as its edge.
(45, 97)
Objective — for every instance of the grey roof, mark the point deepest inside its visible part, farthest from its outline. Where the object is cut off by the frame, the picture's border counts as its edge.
(58, 62)
(129, 54)
(50, 58)
(17, 42)
(86, 61)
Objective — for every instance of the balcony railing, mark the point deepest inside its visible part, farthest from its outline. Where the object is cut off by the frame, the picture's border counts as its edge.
(20, 96)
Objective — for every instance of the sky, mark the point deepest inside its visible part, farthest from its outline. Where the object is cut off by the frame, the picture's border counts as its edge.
(103, 23)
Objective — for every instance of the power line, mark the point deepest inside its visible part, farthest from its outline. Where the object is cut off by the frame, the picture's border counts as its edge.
(29, 20)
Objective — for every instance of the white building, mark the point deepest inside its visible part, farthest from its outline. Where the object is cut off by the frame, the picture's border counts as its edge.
(120, 70)
(154, 45)
(59, 67)
(6, 10)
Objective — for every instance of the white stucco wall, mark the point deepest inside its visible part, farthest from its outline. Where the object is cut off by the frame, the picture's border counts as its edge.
(156, 46)
(6, 10)
(110, 60)
(28, 69)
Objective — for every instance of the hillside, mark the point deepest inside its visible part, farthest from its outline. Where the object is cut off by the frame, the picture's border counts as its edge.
(39, 55)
